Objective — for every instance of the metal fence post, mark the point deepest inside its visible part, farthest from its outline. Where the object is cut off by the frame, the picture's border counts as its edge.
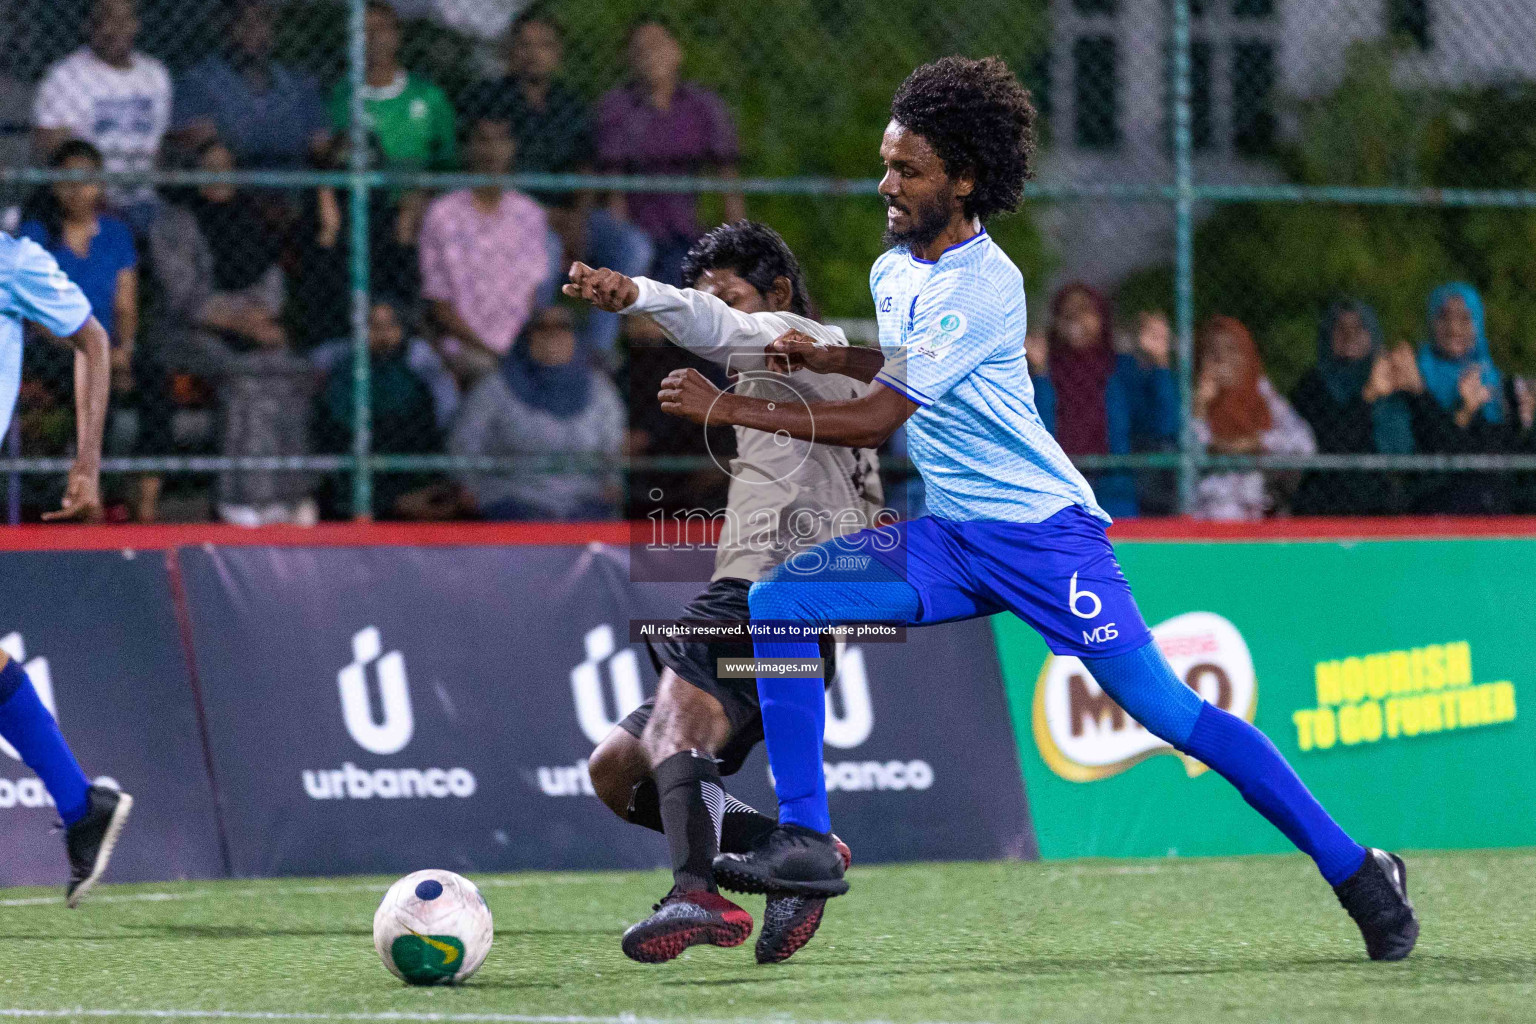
(1184, 253)
(362, 413)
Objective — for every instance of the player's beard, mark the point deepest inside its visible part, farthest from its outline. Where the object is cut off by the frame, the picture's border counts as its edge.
(928, 221)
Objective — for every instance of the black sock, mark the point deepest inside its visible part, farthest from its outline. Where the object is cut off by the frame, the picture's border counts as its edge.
(743, 826)
(645, 805)
(692, 806)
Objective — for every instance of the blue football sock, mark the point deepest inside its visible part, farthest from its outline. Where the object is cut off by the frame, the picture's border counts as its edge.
(1143, 683)
(1246, 758)
(794, 719)
(29, 727)
(794, 710)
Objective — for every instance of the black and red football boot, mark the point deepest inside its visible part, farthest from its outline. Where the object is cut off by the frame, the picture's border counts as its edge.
(684, 919)
(789, 920)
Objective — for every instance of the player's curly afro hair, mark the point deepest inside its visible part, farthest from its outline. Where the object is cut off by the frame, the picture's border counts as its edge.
(756, 252)
(978, 118)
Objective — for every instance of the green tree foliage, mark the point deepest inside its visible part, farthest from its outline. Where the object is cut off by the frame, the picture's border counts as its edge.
(1276, 265)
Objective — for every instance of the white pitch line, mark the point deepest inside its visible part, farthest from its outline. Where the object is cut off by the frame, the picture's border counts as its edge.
(194, 893)
(385, 1016)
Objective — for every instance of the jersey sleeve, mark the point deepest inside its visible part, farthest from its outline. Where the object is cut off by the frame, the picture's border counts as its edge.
(956, 322)
(713, 330)
(44, 295)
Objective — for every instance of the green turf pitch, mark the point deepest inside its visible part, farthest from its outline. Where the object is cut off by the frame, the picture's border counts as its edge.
(1209, 941)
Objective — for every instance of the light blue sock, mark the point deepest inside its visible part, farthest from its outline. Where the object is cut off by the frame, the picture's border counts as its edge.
(1143, 683)
(29, 727)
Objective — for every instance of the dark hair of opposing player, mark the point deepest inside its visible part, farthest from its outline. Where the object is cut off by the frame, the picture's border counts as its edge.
(758, 255)
(43, 204)
(979, 119)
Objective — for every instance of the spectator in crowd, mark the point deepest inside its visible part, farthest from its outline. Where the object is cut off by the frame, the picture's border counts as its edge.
(97, 251)
(270, 115)
(404, 420)
(553, 131)
(113, 97)
(1465, 406)
(1356, 403)
(485, 259)
(221, 300)
(420, 356)
(1098, 402)
(318, 256)
(657, 124)
(409, 116)
(545, 401)
(1239, 412)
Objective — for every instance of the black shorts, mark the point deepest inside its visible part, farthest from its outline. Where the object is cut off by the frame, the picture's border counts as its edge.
(694, 662)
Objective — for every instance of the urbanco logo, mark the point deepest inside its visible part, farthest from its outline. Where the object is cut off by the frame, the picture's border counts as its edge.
(37, 670)
(29, 792)
(1083, 735)
(384, 737)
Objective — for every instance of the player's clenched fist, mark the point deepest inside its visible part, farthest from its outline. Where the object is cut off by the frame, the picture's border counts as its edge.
(688, 394)
(794, 349)
(608, 290)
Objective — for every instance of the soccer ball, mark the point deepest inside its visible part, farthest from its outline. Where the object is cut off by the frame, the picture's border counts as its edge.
(432, 928)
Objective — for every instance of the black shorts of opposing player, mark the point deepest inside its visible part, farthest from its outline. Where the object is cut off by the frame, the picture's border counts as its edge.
(694, 662)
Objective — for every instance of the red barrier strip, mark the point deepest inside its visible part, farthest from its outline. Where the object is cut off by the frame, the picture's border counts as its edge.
(164, 537)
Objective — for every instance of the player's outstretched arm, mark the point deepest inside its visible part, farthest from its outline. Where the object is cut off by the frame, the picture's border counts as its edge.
(863, 422)
(700, 322)
(93, 377)
(799, 350)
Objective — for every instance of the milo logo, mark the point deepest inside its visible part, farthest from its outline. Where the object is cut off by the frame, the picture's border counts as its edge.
(1083, 735)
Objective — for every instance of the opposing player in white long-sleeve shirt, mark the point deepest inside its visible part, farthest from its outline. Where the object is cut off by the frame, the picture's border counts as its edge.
(661, 766)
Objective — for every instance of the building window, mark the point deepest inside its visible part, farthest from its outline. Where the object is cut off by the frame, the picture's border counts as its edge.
(1105, 7)
(1096, 92)
(1253, 86)
(1409, 19)
(1253, 8)
(1200, 124)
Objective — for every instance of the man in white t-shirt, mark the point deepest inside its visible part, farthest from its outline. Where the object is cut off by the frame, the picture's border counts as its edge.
(111, 96)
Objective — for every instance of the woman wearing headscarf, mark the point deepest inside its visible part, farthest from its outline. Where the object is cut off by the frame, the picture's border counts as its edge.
(546, 401)
(1356, 405)
(1098, 402)
(1465, 406)
(1239, 412)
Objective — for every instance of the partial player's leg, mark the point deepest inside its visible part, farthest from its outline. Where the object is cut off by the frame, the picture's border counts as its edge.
(1074, 594)
(891, 575)
(93, 815)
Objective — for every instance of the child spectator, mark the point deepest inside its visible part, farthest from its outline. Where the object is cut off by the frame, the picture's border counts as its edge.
(545, 401)
(1355, 404)
(484, 260)
(112, 96)
(1098, 402)
(657, 124)
(1239, 412)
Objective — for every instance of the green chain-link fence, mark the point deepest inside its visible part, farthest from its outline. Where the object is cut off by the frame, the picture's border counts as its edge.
(319, 325)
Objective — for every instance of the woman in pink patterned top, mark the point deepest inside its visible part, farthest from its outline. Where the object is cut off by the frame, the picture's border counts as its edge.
(484, 257)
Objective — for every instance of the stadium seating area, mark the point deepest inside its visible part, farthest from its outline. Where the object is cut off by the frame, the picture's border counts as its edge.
(229, 313)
